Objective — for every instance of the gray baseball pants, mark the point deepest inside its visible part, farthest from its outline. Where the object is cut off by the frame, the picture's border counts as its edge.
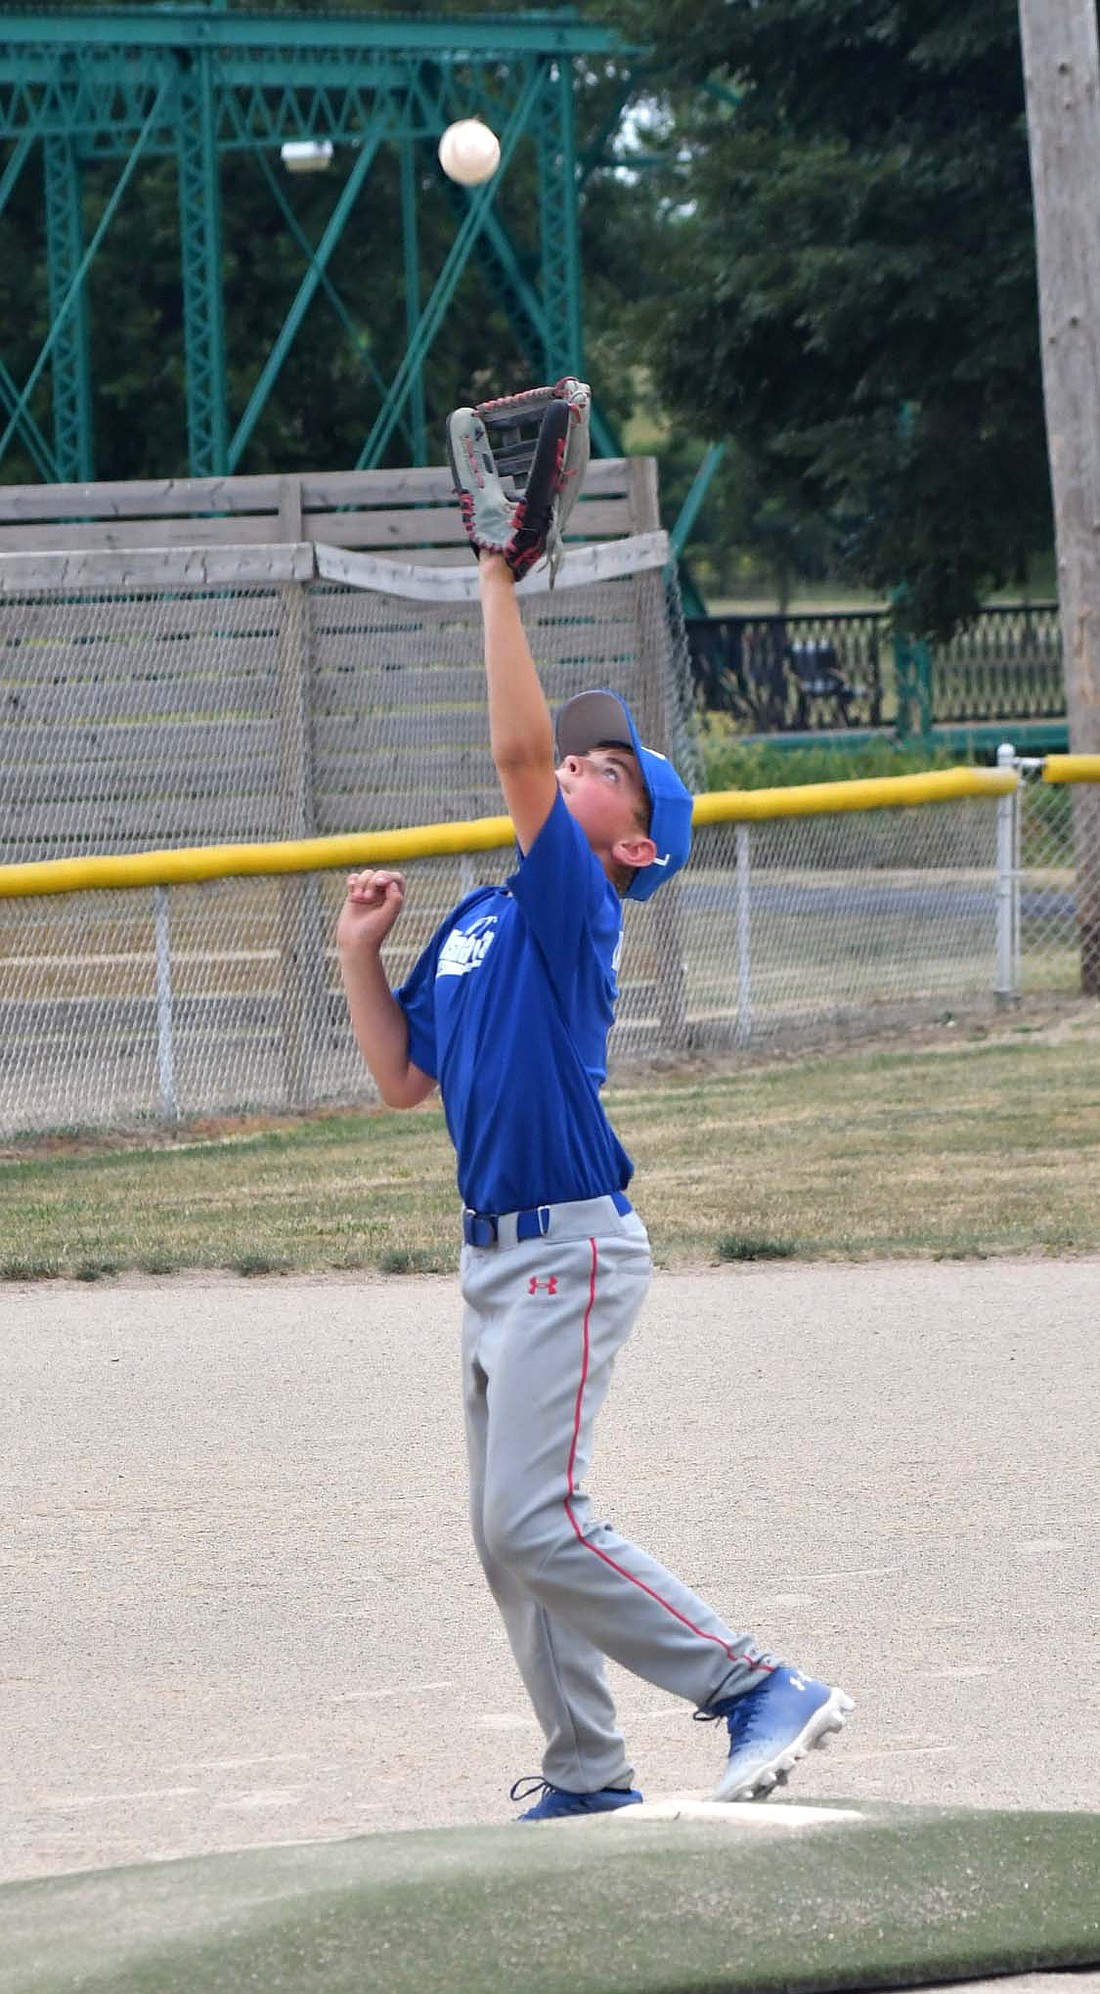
(543, 1321)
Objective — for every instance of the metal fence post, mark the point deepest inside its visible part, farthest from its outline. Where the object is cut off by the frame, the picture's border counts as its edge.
(922, 660)
(743, 904)
(654, 639)
(166, 1064)
(301, 946)
(903, 685)
(1006, 984)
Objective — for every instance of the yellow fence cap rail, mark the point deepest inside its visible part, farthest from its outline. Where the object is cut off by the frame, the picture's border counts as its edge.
(818, 799)
(192, 864)
(189, 865)
(1071, 768)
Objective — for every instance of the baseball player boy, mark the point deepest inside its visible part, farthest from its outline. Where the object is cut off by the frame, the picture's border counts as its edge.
(508, 1011)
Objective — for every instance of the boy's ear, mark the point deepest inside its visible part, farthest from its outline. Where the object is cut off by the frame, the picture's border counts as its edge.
(635, 850)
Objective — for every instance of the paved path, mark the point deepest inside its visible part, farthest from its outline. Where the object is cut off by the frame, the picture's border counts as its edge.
(241, 1607)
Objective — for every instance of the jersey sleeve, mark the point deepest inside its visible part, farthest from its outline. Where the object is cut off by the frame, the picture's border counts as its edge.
(567, 899)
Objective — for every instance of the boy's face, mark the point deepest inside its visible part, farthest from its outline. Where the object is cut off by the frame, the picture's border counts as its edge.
(604, 792)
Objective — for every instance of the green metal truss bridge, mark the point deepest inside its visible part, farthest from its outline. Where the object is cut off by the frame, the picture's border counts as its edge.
(131, 85)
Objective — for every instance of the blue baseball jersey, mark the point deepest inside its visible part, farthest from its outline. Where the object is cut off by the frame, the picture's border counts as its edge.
(509, 1008)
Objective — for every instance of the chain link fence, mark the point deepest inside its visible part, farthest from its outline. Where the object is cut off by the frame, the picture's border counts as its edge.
(124, 1006)
(1057, 872)
(245, 696)
(799, 927)
(240, 695)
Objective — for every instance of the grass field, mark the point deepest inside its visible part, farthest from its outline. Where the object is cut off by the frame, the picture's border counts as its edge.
(968, 1142)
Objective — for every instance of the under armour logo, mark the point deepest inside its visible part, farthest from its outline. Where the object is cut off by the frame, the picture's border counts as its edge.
(795, 1680)
(550, 1284)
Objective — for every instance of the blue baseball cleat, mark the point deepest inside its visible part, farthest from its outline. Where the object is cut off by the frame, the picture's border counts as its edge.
(557, 1805)
(771, 1727)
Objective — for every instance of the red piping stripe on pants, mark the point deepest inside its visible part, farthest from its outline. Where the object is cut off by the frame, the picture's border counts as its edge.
(571, 1491)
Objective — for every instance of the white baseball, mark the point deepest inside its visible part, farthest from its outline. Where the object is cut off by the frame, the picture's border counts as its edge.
(469, 152)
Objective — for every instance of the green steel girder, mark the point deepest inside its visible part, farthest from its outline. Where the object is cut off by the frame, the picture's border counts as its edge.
(558, 226)
(121, 53)
(201, 264)
(20, 153)
(289, 96)
(357, 336)
(97, 100)
(456, 39)
(194, 83)
(72, 383)
(105, 101)
(307, 288)
(70, 301)
(26, 427)
(37, 447)
(416, 419)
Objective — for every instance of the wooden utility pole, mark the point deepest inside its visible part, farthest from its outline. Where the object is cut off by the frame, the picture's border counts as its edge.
(1062, 81)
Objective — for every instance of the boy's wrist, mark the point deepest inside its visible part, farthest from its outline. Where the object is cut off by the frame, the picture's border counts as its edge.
(356, 946)
(492, 567)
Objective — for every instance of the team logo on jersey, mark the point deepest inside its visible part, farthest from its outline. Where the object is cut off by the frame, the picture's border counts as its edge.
(466, 948)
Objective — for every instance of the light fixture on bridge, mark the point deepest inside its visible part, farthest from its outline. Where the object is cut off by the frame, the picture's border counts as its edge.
(306, 155)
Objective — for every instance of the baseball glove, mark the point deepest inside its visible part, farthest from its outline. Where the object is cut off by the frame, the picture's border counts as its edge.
(518, 464)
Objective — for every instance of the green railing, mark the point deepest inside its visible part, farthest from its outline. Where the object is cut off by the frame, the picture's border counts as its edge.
(1005, 666)
(824, 672)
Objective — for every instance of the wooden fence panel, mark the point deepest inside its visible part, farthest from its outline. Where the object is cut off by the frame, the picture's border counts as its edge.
(171, 674)
(142, 760)
(87, 623)
(131, 702)
(348, 508)
(55, 829)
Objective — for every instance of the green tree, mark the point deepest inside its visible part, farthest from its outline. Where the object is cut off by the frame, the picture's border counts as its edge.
(849, 279)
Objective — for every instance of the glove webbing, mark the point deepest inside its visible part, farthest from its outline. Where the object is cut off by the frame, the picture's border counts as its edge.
(513, 423)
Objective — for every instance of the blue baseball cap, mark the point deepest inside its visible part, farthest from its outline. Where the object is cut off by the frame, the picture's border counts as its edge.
(603, 720)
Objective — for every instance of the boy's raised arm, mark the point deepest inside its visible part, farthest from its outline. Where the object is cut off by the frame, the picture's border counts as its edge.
(509, 537)
(521, 732)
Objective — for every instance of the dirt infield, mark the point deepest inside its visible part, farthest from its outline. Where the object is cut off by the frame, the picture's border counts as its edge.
(241, 1606)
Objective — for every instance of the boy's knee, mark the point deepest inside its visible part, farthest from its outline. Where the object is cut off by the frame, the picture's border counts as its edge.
(522, 1541)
